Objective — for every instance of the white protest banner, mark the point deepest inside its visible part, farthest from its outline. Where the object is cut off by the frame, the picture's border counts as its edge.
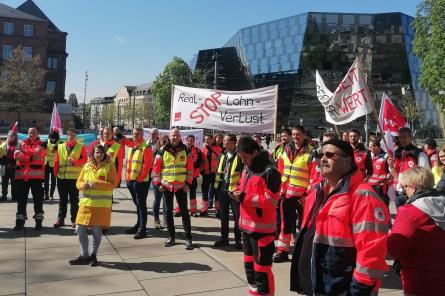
(349, 101)
(198, 133)
(250, 111)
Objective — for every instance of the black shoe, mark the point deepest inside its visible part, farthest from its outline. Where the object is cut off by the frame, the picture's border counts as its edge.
(203, 214)
(105, 231)
(132, 230)
(221, 243)
(238, 245)
(170, 242)
(218, 214)
(3, 198)
(59, 223)
(46, 196)
(38, 225)
(19, 225)
(142, 233)
(177, 214)
(194, 214)
(80, 261)
(279, 257)
(92, 260)
(210, 205)
(189, 245)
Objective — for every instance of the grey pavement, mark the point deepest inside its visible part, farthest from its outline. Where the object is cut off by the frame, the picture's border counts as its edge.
(36, 262)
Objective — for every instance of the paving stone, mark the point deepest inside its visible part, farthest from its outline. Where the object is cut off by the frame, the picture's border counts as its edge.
(187, 284)
(150, 251)
(131, 293)
(12, 283)
(66, 252)
(12, 251)
(12, 265)
(89, 285)
(59, 269)
(241, 291)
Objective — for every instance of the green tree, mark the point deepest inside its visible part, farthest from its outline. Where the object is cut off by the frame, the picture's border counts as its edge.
(22, 81)
(72, 99)
(411, 111)
(176, 72)
(107, 115)
(429, 46)
(142, 113)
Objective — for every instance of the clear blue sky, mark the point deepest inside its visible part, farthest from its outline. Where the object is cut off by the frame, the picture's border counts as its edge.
(128, 42)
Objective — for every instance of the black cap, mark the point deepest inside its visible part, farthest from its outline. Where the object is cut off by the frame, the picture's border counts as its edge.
(342, 145)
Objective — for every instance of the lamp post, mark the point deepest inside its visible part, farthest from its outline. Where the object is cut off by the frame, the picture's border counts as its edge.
(84, 99)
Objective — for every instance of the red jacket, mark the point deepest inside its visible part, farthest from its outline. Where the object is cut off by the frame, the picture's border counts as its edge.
(260, 185)
(30, 160)
(210, 157)
(349, 245)
(417, 241)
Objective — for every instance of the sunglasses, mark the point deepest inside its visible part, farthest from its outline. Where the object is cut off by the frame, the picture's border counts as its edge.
(330, 155)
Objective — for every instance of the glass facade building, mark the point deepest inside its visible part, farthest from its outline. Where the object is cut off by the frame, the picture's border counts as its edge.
(288, 51)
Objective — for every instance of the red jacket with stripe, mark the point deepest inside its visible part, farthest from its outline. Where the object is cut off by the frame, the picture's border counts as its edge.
(260, 187)
(30, 160)
(349, 245)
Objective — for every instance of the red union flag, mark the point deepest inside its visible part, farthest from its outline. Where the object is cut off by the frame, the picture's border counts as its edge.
(56, 123)
(390, 118)
(349, 101)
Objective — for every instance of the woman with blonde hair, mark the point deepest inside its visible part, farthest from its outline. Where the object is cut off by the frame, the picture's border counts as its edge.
(96, 180)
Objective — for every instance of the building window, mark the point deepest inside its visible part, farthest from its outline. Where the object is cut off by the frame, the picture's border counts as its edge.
(27, 53)
(28, 30)
(50, 86)
(7, 52)
(52, 63)
(8, 28)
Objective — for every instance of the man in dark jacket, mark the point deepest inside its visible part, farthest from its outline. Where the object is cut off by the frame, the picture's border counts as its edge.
(341, 249)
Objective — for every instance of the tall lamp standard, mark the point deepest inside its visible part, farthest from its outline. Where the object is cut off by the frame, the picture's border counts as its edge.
(84, 99)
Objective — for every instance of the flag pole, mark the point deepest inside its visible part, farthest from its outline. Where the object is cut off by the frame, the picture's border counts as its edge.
(374, 111)
(337, 131)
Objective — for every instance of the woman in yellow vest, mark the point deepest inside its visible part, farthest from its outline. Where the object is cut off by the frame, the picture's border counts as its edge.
(96, 180)
(438, 169)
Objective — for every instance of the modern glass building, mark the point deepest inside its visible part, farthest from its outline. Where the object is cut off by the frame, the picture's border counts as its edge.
(288, 51)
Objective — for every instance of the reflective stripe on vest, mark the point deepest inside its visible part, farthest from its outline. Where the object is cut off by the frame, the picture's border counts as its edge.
(66, 169)
(137, 157)
(113, 151)
(174, 169)
(234, 176)
(297, 171)
(94, 197)
(51, 154)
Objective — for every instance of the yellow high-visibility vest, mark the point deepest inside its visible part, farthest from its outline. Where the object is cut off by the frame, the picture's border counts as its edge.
(66, 169)
(113, 151)
(234, 176)
(49, 158)
(137, 157)
(174, 169)
(93, 197)
(297, 171)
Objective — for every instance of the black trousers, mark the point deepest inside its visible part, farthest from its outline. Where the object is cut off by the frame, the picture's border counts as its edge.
(181, 199)
(291, 209)
(68, 191)
(208, 192)
(258, 251)
(9, 176)
(23, 188)
(227, 204)
(139, 194)
(49, 176)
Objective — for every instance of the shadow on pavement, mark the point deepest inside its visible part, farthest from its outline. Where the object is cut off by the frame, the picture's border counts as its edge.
(391, 280)
(159, 267)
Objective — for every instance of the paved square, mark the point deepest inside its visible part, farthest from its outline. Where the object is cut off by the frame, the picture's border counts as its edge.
(36, 263)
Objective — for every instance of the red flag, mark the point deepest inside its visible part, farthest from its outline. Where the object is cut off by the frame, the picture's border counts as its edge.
(390, 118)
(56, 123)
(15, 127)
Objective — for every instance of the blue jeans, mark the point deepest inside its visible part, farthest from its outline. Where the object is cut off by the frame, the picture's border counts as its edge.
(157, 203)
(139, 193)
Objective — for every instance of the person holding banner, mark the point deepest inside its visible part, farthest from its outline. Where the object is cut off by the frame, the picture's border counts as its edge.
(53, 142)
(258, 193)
(173, 174)
(139, 163)
(29, 174)
(227, 178)
(296, 163)
(405, 157)
(361, 156)
(210, 153)
(197, 164)
(69, 160)
(7, 150)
